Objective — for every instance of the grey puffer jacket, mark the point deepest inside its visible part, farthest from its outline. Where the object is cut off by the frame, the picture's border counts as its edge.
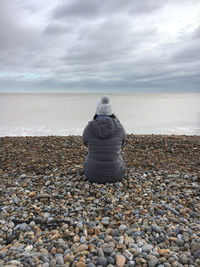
(104, 138)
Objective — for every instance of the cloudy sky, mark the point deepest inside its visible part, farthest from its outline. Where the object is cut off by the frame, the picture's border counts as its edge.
(100, 46)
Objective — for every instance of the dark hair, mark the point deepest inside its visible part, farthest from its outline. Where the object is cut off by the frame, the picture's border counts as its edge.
(111, 116)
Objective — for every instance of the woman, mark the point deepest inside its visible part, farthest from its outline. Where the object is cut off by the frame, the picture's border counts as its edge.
(104, 136)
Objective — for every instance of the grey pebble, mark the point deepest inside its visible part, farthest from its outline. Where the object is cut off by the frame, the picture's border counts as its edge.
(102, 261)
(59, 259)
(152, 263)
(100, 252)
(11, 225)
(82, 239)
(197, 254)
(23, 226)
(115, 232)
(156, 228)
(110, 260)
(147, 248)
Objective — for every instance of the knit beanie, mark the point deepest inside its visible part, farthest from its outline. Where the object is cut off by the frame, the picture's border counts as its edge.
(104, 106)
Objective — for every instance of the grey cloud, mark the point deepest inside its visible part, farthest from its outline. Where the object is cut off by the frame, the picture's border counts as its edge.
(17, 40)
(94, 45)
(188, 54)
(196, 34)
(56, 28)
(79, 8)
(92, 8)
(107, 42)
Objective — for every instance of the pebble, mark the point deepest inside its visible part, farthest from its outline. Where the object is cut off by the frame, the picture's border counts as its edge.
(147, 248)
(23, 226)
(29, 248)
(60, 260)
(52, 216)
(120, 260)
(156, 228)
(122, 227)
(82, 239)
(102, 261)
(115, 232)
(153, 263)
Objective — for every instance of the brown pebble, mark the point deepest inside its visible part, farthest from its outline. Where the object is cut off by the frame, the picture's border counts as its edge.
(90, 231)
(76, 238)
(53, 250)
(120, 260)
(96, 231)
(81, 264)
(81, 248)
(32, 194)
(163, 252)
(68, 258)
(60, 251)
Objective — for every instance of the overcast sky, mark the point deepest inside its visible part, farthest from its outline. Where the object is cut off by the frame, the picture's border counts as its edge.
(100, 46)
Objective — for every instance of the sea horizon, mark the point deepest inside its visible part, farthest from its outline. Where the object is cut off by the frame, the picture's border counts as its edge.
(62, 114)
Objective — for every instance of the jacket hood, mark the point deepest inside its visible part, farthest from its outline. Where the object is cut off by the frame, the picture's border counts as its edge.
(104, 128)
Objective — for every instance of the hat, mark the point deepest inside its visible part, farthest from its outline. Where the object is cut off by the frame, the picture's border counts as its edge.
(104, 106)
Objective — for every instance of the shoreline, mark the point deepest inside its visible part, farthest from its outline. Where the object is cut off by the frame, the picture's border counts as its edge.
(50, 215)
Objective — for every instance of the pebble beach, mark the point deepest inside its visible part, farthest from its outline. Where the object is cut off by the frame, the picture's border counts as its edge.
(50, 215)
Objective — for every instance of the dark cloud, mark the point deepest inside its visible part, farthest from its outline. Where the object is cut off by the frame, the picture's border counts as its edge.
(92, 8)
(188, 54)
(99, 45)
(56, 28)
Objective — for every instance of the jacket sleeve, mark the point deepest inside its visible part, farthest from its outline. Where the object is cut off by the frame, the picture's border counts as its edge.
(85, 136)
(123, 135)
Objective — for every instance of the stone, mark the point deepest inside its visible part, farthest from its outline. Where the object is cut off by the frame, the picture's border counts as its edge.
(3, 253)
(81, 248)
(68, 258)
(120, 260)
(153, 263)
(100, 252)
(29, 248)
(128, 255)
(11, 225)
(197, 254)
(122, 227)
(59, 259)
(163, 252)
(183, 258)
(195, 247)
(79, 224)
(156, 228)
(83, 239)
(102, 261)
(23, 226)
(110, 260)
(32, 194)
(52, 263)
(147, 248)
(115, 232)
(81, 264)
(32, 224)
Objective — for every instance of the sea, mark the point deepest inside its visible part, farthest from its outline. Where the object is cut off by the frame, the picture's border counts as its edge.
(68, 114)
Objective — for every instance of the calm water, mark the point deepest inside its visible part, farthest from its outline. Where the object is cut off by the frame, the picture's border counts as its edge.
(66, 114)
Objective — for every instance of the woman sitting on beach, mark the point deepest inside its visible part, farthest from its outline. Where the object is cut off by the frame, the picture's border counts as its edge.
(104, 136)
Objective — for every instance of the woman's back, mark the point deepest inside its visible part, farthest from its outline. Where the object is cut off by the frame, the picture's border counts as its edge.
(104, 137)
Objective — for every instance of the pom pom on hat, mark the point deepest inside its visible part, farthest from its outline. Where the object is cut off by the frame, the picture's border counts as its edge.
(104, 106)
(105, 99)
